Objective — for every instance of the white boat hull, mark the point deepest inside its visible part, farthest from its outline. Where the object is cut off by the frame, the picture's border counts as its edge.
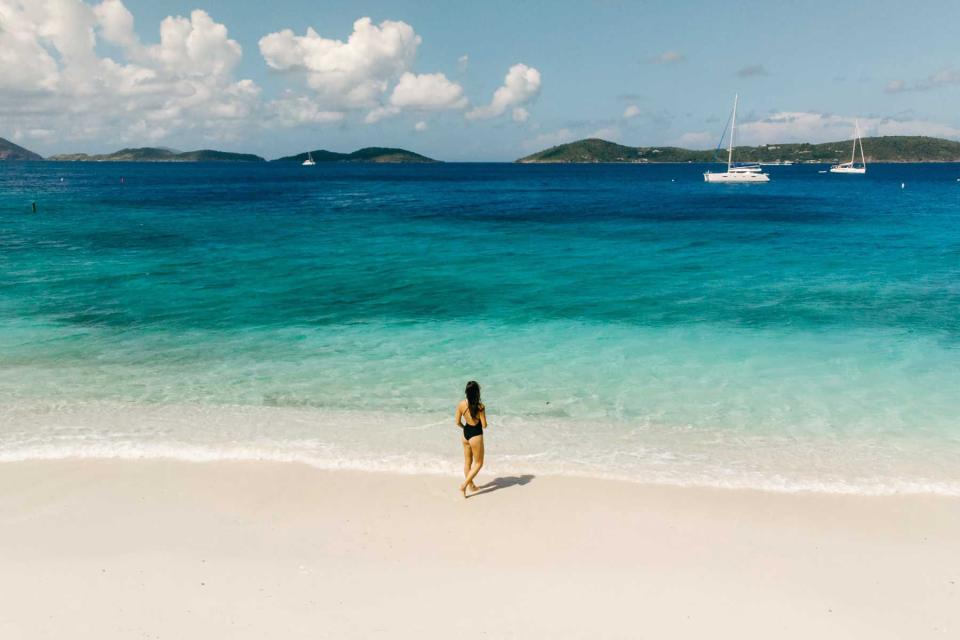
(736, 177)
(853, 170)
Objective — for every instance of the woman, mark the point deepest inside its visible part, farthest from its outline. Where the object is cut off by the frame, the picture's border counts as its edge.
(474, 422)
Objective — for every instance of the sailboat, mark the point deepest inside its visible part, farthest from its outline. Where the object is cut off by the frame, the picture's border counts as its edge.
(309, 161)
(736, 173)
(852, 167)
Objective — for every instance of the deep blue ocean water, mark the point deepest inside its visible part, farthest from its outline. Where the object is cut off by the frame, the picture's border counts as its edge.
(624, 320)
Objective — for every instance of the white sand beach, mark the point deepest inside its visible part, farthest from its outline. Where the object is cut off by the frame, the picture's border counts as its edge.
(163, 549)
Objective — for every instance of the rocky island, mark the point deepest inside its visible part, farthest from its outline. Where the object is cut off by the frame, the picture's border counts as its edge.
(159, 154)
(367, 154)
(13, 152)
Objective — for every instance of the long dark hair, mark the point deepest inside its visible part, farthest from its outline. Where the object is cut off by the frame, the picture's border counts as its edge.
(473, 399)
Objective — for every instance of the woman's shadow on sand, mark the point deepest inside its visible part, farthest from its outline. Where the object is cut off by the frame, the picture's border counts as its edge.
(502, 483)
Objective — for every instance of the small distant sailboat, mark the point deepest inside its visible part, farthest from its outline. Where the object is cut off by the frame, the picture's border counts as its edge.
(309, 161)
(852, 167)
(736, 173)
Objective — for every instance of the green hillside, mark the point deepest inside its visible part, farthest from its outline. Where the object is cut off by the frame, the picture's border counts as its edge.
(367, 154)
(210, 155)
(878, 149)
(155, 154)
(10, 152)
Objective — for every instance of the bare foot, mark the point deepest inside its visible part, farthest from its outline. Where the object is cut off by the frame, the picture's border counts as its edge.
(463, 490)
(472, 487)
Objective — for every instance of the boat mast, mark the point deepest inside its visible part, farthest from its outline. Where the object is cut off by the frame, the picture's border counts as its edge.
(862, 158)
(733, 128)
(856, 135)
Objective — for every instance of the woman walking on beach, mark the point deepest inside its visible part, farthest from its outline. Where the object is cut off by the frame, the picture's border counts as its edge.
(474, 416)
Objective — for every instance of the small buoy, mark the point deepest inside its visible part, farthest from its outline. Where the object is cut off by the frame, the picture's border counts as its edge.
(61, 179)
(903, 185)
(121, 180)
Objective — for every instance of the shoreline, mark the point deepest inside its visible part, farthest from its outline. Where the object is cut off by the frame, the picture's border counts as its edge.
(447, 468)
(427, 444)
(115, 549)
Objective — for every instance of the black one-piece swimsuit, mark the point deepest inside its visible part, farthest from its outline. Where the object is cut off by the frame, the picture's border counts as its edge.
(471, 430)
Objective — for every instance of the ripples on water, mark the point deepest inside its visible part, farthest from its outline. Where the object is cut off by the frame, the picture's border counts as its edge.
(707, 323)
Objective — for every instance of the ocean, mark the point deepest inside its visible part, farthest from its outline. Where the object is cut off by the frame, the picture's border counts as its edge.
(624, 321)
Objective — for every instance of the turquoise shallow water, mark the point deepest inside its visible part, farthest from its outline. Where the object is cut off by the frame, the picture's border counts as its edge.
(629, 321)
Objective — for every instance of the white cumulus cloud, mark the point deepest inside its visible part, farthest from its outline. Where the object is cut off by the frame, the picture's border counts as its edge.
(116, 23)
(54, 77)
(427, 91)
(424, 92)
(372, 70)
(195, 46)
(631, 111)
(520, 86)
(79, 70)
(345, 75)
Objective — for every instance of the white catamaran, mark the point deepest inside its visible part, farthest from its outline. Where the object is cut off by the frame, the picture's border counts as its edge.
(309, 161)
(852, 167)
(736, 173)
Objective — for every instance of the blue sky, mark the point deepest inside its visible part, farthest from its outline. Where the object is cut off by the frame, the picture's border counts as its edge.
(640, 73)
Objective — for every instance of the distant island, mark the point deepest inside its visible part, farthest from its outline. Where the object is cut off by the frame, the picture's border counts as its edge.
(591, 150)
(877, 149)
(11, 152)
(157, 154)
(367, 154)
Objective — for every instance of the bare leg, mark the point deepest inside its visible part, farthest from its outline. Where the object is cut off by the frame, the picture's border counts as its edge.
(467, 461)
(476, 445)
